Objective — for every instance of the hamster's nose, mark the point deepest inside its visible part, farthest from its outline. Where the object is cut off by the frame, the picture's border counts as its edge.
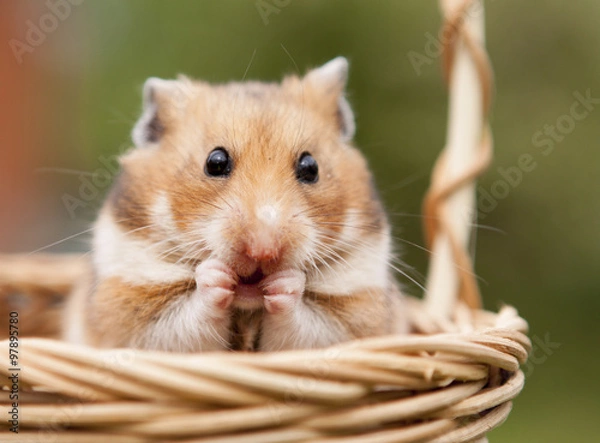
(262, 242)
(261, 249)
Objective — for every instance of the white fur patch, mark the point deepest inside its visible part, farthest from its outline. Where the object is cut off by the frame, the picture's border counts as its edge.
(306, 329)
(212, 232)
(186, 326)
(161, 214)
(366, 267)
(268, 214)
(134, 260)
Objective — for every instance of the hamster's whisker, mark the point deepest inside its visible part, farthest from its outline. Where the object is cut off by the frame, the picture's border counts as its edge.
(302, 103)
(395, 238)
(171, 251)
(188, 260)
(335, 256)
(221, 198)
(132, 231)
(429, 217)
(205, 202)
(315, 266)
(215, 335)
(176, 240)
(322, 257)
(329, 253)
(416, 245)
(183, 246)
(316, 255)
(237, 95)
(362, 248)
(61, 241)
(158, 244)
(365, 227)
(434, 253)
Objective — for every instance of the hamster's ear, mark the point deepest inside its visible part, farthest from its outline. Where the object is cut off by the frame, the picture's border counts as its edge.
(161, 99)
(329, 82)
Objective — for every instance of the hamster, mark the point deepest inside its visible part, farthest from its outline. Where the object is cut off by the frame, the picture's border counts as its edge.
(243, 218)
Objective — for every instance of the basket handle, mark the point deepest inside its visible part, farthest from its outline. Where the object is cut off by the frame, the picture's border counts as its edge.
(449, 205)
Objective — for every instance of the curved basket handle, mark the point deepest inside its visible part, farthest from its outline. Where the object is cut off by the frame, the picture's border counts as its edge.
(449, 205)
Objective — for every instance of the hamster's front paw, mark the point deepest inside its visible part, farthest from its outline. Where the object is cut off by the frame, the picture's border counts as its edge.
(215, 284)
(283, 291)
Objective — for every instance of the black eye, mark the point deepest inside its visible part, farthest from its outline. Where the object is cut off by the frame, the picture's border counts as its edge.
(218, 163)
(307, 169)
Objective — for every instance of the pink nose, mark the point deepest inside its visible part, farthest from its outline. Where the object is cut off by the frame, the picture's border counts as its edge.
(262, 252)
(262, 245)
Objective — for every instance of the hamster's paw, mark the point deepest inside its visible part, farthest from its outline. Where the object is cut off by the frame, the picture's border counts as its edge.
(215, 284)
(283, 291)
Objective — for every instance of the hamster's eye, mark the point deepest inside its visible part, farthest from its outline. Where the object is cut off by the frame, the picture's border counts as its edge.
(218, 163)
(307, 169)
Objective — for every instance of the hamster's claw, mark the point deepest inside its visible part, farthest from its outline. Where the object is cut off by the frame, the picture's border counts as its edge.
(283, 291)
(215, 283)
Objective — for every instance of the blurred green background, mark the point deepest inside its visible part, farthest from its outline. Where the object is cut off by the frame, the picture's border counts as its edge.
(538, 248)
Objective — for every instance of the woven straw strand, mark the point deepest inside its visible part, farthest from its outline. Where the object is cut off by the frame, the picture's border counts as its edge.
(450, 202)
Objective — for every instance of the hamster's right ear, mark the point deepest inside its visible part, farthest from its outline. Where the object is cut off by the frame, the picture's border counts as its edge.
(161, 99)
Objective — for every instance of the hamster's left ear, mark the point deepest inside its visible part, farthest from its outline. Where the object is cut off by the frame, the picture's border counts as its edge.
(329, 84)
(162, 99)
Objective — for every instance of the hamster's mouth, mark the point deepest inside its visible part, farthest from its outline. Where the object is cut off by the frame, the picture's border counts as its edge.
(248, 293)
(253, 279)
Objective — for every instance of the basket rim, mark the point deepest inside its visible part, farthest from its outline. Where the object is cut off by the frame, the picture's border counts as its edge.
(303, 395)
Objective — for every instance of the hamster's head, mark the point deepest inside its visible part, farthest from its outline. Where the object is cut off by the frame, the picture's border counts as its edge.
(262, 176)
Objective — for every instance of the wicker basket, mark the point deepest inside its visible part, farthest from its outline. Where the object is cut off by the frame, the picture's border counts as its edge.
(451, 380)
(448, 382)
